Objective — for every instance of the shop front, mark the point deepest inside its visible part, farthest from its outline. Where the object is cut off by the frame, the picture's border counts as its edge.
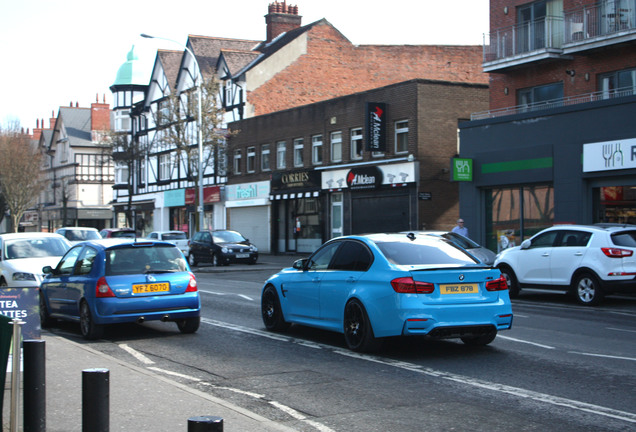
(248, 212)
(371, 198)
(211, 201)
(297, 218)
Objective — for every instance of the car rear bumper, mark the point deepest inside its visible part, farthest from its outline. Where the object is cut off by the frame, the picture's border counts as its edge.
(150, 308)
(622, 286)
(233, 258)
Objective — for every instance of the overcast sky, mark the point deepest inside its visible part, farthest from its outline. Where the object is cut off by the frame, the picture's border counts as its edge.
(57, 52)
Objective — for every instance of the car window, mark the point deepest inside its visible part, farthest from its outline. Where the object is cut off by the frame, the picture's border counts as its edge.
(414, 253)
(122, 234)
(174, 236)
(624, 238)
(35, 247)
(139, 260)
(321, 259)
(206, 238)
(153, 235)
(462, 241)
(574, 238)
(85, 263)
(67, 263)
(227, 237)
(544, 240)
(352, 256)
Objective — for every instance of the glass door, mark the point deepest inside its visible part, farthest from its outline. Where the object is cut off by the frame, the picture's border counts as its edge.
(336, 215)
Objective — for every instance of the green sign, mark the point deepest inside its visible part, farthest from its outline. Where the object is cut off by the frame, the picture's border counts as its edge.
(462, 169)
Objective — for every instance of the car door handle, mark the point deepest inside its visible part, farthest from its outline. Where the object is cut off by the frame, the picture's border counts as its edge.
(545, 254)
(578, 254)
(351, 280)
(316, 280)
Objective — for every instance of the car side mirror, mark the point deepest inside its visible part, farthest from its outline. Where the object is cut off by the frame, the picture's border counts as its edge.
(526, 244)
(47, 269)
(300, 264)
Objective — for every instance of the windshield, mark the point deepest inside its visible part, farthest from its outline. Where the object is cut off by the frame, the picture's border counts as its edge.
(174, 236)
(122, 234)
(147, 259)
(34, 247)
(414, 253)
(81, 235)
(227, 237)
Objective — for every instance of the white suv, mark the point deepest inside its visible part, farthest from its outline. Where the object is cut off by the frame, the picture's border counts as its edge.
(587, 260)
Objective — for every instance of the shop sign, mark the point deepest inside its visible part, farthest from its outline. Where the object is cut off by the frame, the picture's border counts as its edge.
(174, 198)
(364, 178)
(425, 196)
(247, 191)
(211, 194)
(394, 175)
(609, 155)
(375, 121)
(22, 304)
(462, 169)
(295, 180)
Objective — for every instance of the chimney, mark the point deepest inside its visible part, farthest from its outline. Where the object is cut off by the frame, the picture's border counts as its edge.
(51, 121)
(100, 115)
(281, 19)
(37, 130)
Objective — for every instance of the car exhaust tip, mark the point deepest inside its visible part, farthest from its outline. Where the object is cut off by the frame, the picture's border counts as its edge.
(165, 318)
(140, 320)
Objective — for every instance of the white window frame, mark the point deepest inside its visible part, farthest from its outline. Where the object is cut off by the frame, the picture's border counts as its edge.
(316, 149)
(299, 145)
(237, 161)
(336, 146)
(281, 154)
(356, 142)
(251, 159)
(265, 162)
(401, 130)
(165, 166)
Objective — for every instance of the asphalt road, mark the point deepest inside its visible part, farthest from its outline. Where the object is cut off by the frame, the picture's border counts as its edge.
(562, 367)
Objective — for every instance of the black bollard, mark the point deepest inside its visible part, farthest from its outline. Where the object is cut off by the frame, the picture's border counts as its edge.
(95, 400)
(34, 385)
(205, 424)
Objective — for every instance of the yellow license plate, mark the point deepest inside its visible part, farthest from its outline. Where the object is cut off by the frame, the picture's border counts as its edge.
(459, 289)
(150, 288)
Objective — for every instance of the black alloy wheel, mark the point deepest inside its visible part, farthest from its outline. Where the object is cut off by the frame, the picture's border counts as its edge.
(358, 331)
(271, 311)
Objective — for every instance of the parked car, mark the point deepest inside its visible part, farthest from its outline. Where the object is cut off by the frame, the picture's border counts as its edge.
(374, 286)
(104, 282)
(483, 254)
(22, 256)
(221, 247)
(118, 233)
(77, 234)
(587, 261)
(177, 238)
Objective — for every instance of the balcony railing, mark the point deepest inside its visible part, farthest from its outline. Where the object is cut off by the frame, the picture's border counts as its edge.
(555, 103)
(520, 39)
(602, 19)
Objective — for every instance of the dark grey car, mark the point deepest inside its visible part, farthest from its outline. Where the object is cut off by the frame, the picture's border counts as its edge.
(221, 247)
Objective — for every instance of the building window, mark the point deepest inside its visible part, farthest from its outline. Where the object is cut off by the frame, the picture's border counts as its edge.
(336, 146)
(619, 83)
(540, 94)
(251, 159)
(316, 149)
(265, 157)
(298, 152)
(164, 166)
(237, 161)
(356, 144)
(401, 136)
(281, 154)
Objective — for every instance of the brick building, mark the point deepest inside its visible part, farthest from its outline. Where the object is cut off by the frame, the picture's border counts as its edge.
(553, 147)
(304, 175)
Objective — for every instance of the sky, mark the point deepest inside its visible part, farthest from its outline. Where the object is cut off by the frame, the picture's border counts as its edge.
(61, 52)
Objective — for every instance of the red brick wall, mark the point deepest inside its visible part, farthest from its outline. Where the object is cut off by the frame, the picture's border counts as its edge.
(334, 67)
(100, 116)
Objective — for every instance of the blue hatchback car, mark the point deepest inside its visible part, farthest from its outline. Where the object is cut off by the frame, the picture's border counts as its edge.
(370, 287)
(117, 281)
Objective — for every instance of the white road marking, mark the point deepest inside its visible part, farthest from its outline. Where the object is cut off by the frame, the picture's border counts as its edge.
(524, 341)
(176, 374)
(620, 330)
(603, 356)
(136, 354)
(248, 298)
(495, 387)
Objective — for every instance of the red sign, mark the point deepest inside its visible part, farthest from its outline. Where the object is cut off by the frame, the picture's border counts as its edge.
(211, 194)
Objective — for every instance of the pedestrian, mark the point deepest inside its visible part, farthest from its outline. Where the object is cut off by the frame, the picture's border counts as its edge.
(460, 228)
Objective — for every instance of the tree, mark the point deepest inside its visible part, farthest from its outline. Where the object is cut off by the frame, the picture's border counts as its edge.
(20, 173)
(177, 117)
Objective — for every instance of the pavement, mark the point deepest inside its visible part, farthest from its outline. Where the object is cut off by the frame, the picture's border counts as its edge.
(138, 398)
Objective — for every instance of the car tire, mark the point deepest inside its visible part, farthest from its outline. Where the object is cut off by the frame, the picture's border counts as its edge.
(358, 331)
(271, 311)
(480, 340)
(192, 260)
(45, 318)
(511, 280)
(89, 329)
(189, 325)
(587, 289)
(3, 283)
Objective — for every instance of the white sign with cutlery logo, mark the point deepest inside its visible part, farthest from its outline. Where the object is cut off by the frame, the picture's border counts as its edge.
(609, 155)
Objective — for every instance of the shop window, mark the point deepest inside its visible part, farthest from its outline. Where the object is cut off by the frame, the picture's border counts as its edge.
(336, 146)
(281, 154)
(517, 213)
(298, 152)
(316, 149)
(615, 204)
(356, 144)
(251, 159)
(237, 161)
(401, 137)
(265, 157)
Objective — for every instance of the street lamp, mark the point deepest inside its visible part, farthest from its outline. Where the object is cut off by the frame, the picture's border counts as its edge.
(199, 128)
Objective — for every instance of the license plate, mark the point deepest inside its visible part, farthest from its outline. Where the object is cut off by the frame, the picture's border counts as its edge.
(242, 255)
(459, 289)
(150, 288)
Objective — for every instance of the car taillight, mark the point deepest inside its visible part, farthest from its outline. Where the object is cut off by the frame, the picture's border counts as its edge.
(192, 285)
(617, 252)
(406, 285)
(102, 289)
(497, 284)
